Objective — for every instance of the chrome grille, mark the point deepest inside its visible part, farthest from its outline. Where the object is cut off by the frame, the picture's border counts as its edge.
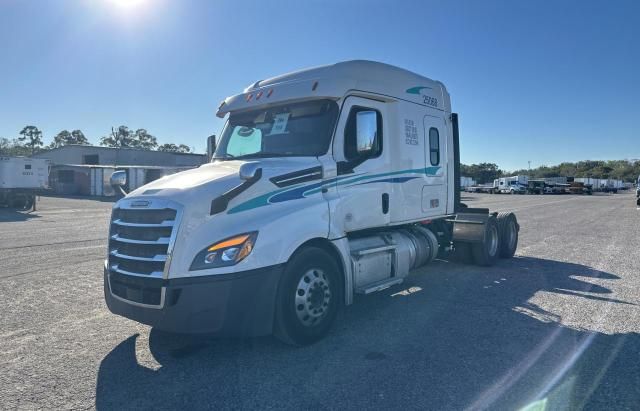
(140, 239)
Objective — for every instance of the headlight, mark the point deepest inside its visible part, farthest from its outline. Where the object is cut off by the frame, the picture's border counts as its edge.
(224, 253)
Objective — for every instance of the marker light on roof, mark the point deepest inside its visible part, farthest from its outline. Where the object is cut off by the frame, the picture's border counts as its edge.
(249, 97)
(270, 93)
(315, 86)
(259, 95)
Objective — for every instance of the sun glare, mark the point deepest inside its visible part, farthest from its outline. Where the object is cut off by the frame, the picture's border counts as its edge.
(127, 4)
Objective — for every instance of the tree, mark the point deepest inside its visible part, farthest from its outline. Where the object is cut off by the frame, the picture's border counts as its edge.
(145, 140)
(79, 138)
(13, 148)
(32, 138)
(172, 148)
(123, 137)
(61, 139)
(118, 138)
(617, 169)
(482, 173)
(64, 138)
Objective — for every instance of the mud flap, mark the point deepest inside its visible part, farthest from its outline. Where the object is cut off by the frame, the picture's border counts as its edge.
(469, 226)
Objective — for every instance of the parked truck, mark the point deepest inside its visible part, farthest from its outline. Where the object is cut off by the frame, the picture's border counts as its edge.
(536, 186)
(638, 192)
(21, 179)
(325, 183)
(510, 185)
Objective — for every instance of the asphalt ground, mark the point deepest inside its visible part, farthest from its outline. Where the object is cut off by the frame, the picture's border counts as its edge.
(556, 327)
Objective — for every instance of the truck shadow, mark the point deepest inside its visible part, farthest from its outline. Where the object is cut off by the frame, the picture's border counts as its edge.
(101, 199)
(14, 214)
(454, 336)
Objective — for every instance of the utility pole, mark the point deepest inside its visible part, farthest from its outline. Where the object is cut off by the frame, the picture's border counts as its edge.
(529, 165)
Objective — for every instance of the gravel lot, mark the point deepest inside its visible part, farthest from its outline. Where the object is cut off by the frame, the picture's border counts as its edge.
(558, 324)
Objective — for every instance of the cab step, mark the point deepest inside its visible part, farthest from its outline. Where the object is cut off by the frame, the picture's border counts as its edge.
(378, 285)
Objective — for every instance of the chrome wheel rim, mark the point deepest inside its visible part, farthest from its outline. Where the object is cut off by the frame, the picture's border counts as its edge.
(312, 297)
(493, 240)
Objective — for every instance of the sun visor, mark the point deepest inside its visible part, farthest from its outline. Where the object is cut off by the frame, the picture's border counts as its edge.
(277, 93)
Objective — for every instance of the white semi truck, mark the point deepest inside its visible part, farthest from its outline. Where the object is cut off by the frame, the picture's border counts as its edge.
(21, 179)
(325, 183)
(510, 185)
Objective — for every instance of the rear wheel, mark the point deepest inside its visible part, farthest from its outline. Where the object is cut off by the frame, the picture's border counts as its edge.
(20, 201)
(486, 252)
(309, 296)
(508, 230)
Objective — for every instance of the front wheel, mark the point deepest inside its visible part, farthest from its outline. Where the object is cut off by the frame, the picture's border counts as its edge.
(309, 296)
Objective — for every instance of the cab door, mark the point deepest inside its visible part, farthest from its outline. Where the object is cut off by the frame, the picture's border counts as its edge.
(362, 190)
(434, 190)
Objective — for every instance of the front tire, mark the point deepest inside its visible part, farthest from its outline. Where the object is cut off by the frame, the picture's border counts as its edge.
(309, 296)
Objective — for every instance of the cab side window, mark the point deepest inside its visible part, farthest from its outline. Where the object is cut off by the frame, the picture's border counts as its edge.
(434, 146)
(358, 117)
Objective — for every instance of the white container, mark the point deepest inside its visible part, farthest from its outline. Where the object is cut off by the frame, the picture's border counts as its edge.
(24, 172)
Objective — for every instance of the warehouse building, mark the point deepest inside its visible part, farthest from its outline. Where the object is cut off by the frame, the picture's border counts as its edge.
(109, 156)
(85, 170)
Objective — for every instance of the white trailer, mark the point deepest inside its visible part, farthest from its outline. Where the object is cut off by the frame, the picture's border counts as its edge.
(325, 183)
(467, 182)
(21, 179)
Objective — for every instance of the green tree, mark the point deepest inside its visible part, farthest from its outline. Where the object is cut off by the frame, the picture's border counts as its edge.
(79, 137)
(144, 140)
(61, 139)
(13, 148)
(65, 137)
(119, 137)
(124, 137)
(483, 173)
(617, 169)
(173, 148)
(31, 137)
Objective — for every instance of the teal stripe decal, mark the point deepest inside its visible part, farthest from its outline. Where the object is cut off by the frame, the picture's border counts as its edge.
(315, 188)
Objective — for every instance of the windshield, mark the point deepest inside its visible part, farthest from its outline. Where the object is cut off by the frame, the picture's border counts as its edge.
(293, 129)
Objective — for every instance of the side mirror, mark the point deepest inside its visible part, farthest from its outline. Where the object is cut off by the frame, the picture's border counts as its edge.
(250, 171)
(118, 178)
(211, 146)
(366, 131)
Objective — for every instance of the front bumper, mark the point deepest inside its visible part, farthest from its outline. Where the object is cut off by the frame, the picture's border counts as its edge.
(236, 304)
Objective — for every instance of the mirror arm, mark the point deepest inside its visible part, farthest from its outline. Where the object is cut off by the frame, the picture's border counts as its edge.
(347, 166)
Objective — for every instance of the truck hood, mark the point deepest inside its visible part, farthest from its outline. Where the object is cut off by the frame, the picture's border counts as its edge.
(213, 179)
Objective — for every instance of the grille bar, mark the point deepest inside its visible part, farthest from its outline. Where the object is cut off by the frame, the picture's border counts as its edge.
(165, 223)
(161, 240)
(156, 258)
(117, 269)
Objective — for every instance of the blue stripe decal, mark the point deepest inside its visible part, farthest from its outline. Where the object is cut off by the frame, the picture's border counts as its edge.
(389, 180)
(303, 191)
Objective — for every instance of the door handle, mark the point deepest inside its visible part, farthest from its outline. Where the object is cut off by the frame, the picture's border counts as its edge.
(385, 203)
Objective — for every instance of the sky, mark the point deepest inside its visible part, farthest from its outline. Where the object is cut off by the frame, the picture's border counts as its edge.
(539, 81)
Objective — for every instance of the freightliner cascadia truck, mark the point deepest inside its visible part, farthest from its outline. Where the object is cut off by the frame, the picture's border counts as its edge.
(325, 183)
